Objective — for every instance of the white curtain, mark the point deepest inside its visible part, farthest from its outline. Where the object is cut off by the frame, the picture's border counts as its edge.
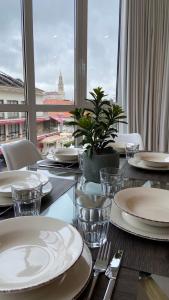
(143, 74)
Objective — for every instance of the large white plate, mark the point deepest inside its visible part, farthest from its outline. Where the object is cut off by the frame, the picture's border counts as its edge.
(132, 225)
(68, 286)
(27, 178)
(55, 159)
(7, 201)
(35, 251)
(154, 159)
(148, 204)
(141, 165)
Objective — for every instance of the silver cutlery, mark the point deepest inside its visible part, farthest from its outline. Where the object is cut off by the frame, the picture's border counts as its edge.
(112, 272)
(56, 166)
(100, 264)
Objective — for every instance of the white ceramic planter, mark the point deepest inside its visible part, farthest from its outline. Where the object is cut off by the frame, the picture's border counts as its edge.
(92, 166)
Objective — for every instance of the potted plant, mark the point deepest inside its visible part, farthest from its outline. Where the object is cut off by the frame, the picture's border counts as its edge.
(97, 126)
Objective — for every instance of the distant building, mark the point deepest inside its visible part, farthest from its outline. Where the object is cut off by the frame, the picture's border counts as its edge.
(59, 94)
(13, 124)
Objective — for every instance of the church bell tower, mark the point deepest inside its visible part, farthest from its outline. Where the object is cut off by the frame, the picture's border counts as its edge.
(61, 86)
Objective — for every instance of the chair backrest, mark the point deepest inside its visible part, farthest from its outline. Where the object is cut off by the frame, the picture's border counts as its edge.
(130, 138)
(20, 154)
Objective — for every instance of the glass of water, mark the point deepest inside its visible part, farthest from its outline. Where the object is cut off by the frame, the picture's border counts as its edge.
(111, 181)
(131, 149)
(92, 214)
(26, 200)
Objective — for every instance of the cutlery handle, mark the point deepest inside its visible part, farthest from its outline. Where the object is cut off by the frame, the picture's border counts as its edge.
(95, 276)
(109, 289)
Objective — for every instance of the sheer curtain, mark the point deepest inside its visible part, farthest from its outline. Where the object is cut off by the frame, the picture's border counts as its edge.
(143, 71)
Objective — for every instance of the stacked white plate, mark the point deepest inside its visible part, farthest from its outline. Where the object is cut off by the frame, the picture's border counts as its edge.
(25, 178)
(69, 155)
(142, 211)
(150, 161)
(42, 258)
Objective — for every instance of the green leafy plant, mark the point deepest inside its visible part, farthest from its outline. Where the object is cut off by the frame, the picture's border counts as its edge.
(97, 125)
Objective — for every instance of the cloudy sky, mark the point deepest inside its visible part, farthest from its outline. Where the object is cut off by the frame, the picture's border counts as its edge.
(54, 43)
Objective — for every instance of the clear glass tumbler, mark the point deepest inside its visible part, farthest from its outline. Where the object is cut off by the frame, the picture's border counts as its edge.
(26, 200)
(131, 149)
(92, 219)
(111, 181)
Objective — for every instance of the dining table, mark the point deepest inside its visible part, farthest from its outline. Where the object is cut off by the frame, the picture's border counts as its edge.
(140, 254)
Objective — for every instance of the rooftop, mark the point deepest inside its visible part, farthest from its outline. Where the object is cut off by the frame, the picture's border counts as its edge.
(7, 80)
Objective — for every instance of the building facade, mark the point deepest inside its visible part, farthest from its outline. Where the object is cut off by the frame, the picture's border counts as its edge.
(13, 124)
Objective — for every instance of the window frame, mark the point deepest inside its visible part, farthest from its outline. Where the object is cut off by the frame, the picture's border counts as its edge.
(30, 108)
(80, 54)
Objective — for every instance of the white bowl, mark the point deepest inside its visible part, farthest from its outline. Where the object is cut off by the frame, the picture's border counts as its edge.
(154, 159)
(66, 154)
(149, 205)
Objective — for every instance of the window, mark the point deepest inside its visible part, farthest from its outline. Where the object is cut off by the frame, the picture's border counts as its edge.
(103, 20)
(52, 132)
(24, 129)
(2, 133)
(1, 113)
(11, 59)
(43, 67)
(13, 131)
(12, 115)
(54, 51)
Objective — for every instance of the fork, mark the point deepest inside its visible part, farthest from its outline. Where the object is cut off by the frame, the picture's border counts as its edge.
(100, 264)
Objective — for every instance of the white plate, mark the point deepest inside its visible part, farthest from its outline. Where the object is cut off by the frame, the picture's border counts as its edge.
(68, 286)
(132, 225)
(55, 159)
(65, 154)
(7, 201)
(35, 251)
(141, 165)
(28, 178)
(154, 159)
(147, 204)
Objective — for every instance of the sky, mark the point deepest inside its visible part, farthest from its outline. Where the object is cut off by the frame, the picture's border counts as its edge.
(54, 43)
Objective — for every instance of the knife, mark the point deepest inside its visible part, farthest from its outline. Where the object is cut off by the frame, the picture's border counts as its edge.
(112, 272)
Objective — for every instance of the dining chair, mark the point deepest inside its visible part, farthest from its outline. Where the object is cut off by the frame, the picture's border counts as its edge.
(130, 138)
(20, 154)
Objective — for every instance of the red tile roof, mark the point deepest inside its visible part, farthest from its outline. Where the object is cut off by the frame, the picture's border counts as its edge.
(58, 116)
(58, 102)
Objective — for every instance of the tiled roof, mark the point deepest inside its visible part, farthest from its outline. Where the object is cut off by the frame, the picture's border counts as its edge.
(58, 116)
(58, 102)
(7, 80)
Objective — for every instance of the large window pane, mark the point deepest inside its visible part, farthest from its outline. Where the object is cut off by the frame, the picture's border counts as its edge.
(54, 50)
(103, 21)
(11, 61)
(13, 128)
(52, 131)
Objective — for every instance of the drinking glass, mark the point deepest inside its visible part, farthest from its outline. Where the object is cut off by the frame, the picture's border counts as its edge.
(26, 200)
(111, 181)
(92, 215)
(131, 149)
